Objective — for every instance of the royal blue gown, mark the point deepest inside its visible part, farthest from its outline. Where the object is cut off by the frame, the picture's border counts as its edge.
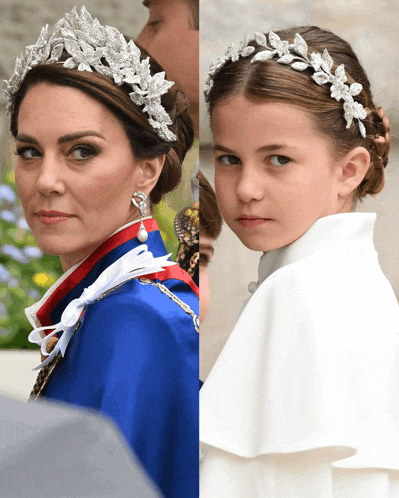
(134, 358)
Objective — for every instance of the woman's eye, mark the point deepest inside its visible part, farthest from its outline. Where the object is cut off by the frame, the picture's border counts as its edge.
(228, 159)
(27, 152)
(279, 160)
(81, 153)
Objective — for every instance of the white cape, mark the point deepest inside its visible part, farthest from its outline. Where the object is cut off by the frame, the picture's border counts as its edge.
(304, 399)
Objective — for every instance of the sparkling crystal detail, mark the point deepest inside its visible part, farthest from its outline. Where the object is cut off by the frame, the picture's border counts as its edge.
(93, 47)
(296, 55)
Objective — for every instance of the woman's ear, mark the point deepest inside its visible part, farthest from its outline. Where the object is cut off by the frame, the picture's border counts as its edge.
(150, 169)
(353, 169)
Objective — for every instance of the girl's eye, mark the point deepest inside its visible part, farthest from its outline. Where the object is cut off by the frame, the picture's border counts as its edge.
(204, 260)
(153, 24)
(83, 152)
(279, 160)
(229, 160)
(27, 153)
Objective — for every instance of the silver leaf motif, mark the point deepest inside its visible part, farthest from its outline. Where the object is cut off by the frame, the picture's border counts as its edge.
(316, 60)
(247, 51)
(320, 78)
(244, 44)
(286, 59)
(362, 129)
(260, 39)
(340, 73)
(89, 43)
(339, 90)
(327, 62)
(274, 39)
(300, 46)
(355, 89)
(300, 66)
(263, 56)
(296, 55)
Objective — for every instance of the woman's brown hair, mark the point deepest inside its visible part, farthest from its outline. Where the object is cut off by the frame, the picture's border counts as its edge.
(145, 142)
(209, 214)
(270, 80)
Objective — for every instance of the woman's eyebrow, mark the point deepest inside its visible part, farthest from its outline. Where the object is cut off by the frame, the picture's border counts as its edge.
(80, 134)
(26, 138)
(64, 139)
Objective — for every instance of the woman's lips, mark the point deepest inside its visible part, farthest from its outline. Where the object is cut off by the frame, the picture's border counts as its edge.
(251, 222)
(53, 217)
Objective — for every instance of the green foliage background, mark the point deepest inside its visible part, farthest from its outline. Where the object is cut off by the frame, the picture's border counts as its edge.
(25, 272)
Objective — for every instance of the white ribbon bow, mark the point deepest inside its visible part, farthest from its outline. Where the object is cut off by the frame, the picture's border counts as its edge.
(135, 263)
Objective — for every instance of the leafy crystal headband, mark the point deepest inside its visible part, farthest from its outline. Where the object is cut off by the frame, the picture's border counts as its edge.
(89, 43)
(296, 54)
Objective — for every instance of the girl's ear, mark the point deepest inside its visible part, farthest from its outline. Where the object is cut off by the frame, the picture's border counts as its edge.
(149, 171)
(353, 169)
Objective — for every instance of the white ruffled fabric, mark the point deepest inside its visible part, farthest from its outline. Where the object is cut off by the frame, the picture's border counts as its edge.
(135, 263)
(304, 399)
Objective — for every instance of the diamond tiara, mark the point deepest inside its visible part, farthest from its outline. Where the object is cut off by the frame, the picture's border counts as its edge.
(296, 55)
(89, 43)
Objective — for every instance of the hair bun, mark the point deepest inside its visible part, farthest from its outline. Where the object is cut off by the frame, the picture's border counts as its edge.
(379, 152)
(382, 141)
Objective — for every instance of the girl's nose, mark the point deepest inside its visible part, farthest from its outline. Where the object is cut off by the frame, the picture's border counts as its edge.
(249, 186)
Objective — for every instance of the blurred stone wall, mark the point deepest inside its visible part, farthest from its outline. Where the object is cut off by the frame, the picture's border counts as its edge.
(21, 21)
(370, 27)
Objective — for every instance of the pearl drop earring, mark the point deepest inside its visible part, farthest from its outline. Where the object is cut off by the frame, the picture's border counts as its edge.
(142, 235)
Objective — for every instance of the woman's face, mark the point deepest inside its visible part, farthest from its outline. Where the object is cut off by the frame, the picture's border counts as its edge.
(75, 171)
(206, 254)
(274, 176)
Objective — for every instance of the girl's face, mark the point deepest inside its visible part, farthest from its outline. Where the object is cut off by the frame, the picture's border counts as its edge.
(75, 171)
(274, 176)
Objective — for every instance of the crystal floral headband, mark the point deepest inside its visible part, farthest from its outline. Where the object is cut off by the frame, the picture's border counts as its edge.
(296, 54)
(89, 43)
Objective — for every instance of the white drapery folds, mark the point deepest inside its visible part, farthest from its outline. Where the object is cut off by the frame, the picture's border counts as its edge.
(304, 399)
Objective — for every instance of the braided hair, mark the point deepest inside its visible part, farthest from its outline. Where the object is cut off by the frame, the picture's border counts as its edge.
(270, 80)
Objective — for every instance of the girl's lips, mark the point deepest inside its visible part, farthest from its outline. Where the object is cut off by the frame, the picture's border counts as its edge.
(252, 222)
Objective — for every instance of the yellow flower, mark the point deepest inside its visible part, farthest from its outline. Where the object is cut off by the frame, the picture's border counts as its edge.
(43, 279)
(11, 176)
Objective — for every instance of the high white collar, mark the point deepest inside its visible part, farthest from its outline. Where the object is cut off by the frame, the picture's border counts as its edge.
(325, 234)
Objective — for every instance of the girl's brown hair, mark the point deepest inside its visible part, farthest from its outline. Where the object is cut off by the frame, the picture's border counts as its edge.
(145, 143)
(274, 81)
(209, 214)
(194, 7)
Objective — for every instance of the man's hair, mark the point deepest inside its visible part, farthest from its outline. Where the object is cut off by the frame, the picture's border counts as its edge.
(194, 7)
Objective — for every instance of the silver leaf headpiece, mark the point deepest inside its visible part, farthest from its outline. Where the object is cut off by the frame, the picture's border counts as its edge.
(296, 54)
(89, 43)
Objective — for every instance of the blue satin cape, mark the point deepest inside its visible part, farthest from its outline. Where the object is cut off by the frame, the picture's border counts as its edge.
(134, 358)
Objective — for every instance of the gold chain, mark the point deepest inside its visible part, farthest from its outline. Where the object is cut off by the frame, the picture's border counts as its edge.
(185, 307)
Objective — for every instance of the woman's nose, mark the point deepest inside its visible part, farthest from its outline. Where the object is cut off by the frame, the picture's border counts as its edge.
(249, 186)
(50, 180)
